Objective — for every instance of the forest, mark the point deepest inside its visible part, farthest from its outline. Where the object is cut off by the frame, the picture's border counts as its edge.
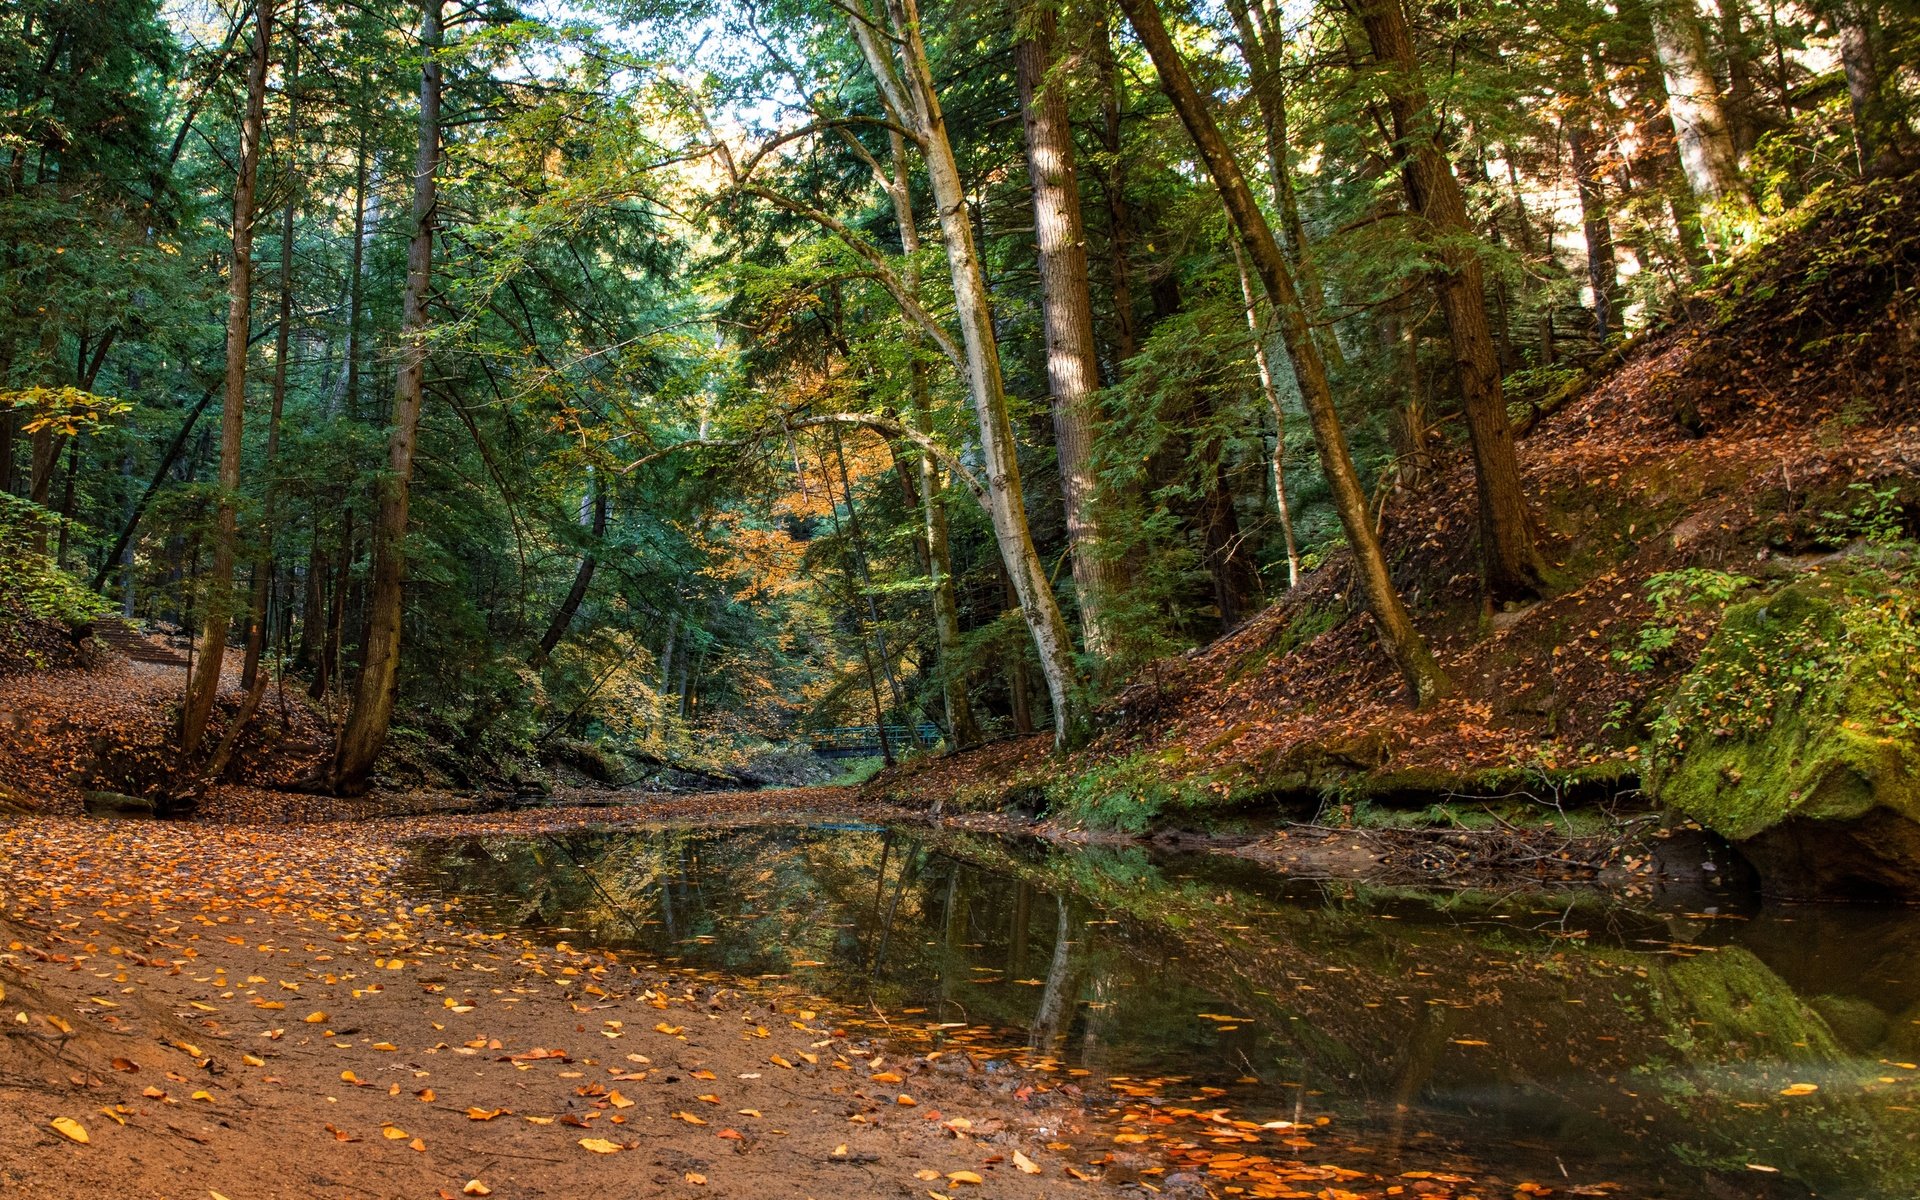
(947, 536)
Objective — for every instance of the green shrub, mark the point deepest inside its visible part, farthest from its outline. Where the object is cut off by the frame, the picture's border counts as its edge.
(29, 579)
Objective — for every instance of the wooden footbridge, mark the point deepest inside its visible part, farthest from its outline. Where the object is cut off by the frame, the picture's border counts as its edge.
(863, 741)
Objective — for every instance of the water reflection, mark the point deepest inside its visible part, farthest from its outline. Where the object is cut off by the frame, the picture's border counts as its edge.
(1669, 1052)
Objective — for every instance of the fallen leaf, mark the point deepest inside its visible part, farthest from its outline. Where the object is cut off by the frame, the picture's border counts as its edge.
(601, 1145)
(1027, 1166)
(476, 1188)
(72, 1129)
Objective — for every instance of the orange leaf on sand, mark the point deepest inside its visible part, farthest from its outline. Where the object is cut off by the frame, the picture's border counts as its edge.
(72, 1129)
(476, 1188)
(963, 1177)
(1027, 1166)
(601, 1146)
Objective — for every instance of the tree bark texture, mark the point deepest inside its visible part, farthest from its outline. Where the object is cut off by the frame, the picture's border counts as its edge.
(204, 686)
(1510, 562)
(1066, 305)
(365, 734)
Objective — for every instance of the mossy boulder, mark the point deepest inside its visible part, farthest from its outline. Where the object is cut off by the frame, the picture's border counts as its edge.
(1797, 737)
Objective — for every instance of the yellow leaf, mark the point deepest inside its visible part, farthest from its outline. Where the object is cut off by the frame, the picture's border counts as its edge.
(1027, 1166)
(476, 1188)
(695, 1177)
(601, 1145)
(963, 1177)
(926, 1176)
(690, 1119)
(483, 1114)
(394, 1134)
(617, 1100)
(314, 1018)
(1800, 1089)
(72, 1129)
(253, 1060)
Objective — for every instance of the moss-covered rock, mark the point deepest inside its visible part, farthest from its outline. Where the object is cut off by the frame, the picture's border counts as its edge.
(1797, 736)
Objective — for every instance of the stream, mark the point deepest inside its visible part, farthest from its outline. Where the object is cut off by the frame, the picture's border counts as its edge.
(1578, 1038)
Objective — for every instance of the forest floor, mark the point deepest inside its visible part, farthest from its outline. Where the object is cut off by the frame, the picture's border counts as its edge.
(243, 1011)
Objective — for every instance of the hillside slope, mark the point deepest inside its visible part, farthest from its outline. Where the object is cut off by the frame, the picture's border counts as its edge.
(1771, 435)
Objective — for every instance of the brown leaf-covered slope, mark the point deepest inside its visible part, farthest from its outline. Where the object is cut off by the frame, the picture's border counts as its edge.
(1718, 442)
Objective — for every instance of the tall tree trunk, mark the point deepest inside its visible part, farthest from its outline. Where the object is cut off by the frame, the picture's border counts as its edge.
(1261, 46)
(1603, 275)
(911, 94)
(1881, 140)
(1424, 679)
(263, 564)
(1113, 186)
(1509, 560)
(582, 579)
(1256, 328)
(1693, 101)
(366, 729)
(313, 606)
(350, 377)
(1743, 116)
(204, 685)
(933, 493)
(1066, 305)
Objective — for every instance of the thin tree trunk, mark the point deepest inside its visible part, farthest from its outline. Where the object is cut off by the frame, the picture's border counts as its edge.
(1509, 560)
(911, 94)
(204, 685)
(329, 671)
(1113, 184)
(1424, 679)
(946, 610)
(1602, 274)
(1066, 304)
(1881, 140)
(355, 269)
(313, 607)
(1261, 46)
(263, 564)
(366, 729)
(1256, 328)
(582, 579)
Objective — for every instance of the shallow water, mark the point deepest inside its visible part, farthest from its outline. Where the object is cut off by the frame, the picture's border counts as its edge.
(1573, 1039)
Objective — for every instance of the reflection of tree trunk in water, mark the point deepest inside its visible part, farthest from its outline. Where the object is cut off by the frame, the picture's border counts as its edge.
(1416, 1068)
(1022, 914)
(1099, 1012)
(952, 959)
(1056, 1000)
(665, 887)
(879, 890)
(886, 929)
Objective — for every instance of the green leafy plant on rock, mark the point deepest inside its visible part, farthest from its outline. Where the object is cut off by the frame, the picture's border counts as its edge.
(1803, 704)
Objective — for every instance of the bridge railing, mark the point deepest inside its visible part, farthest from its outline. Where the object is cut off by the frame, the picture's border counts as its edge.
(863, 737)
